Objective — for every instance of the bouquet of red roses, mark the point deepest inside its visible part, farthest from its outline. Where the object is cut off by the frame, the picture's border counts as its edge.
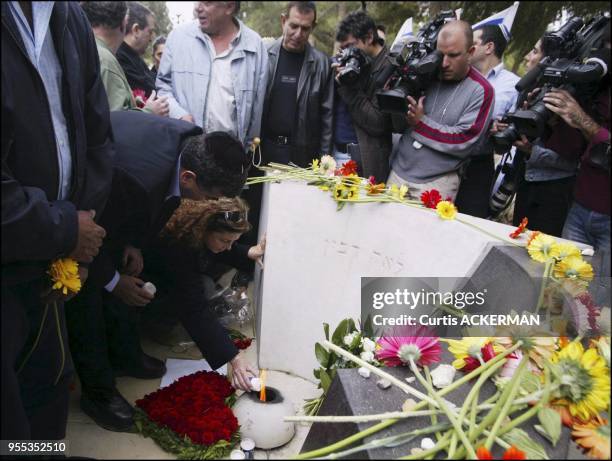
(192, 417)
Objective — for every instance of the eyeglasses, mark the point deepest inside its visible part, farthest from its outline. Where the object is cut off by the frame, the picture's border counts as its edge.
(231, 216)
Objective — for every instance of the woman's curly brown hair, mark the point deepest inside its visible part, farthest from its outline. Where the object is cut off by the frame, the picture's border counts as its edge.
(194, 218)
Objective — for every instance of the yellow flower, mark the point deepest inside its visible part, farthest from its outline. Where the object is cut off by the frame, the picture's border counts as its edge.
(574, 267)
(584, 380)
(315, 164)
(398, 192)
(594, 436)
(64, 274)
(446, 209)
(340, 191)
(353, 193)
(568, 249)
(467, 349)
(542, 248)
(539, 349)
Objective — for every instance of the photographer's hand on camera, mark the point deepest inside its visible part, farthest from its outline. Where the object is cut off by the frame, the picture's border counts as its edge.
(565, 106)
(416, 111)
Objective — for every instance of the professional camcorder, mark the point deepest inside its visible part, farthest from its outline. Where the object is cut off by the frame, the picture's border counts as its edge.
(412, 66)
(353, 62)
(576, 62)
(563, 68)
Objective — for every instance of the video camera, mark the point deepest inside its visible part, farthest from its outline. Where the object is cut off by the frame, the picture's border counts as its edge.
(412, 66)
(562, 68)
(354, 62)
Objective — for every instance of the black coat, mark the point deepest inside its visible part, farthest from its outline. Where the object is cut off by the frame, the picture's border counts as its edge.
(138, 74)
(177, 273)
(36, 227)
(147, 151)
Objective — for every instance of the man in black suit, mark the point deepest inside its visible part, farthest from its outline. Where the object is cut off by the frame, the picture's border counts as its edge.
(157, 162)
(56, 176)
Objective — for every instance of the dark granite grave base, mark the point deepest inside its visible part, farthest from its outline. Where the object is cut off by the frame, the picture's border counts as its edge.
(350, 394)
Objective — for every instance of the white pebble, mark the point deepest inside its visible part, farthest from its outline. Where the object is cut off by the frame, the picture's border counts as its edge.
(364, 372)
(255, 384)
(237, 454)
(410, 379)
(149, 288)
(383, 384)
(427, 443)
(443, 376)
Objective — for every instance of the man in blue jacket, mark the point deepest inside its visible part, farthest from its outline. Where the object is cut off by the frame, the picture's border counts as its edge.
(56, 175)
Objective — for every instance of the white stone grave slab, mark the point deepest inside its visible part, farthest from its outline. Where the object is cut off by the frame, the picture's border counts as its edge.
(316, 256)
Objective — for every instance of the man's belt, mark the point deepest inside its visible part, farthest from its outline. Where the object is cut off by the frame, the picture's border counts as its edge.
(343, 147)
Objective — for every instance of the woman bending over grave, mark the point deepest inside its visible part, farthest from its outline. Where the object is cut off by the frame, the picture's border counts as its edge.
(199, 234)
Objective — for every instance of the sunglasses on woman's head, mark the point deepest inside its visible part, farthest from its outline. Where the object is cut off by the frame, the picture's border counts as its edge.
(232, 216)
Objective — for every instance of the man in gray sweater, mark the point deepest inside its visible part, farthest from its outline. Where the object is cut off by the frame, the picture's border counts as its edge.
(445, 125)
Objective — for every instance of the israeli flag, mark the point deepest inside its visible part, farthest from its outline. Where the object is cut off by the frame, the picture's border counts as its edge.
(405, 33)
(503, 19)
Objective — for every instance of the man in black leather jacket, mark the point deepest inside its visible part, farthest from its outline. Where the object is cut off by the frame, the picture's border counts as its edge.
(297, 122)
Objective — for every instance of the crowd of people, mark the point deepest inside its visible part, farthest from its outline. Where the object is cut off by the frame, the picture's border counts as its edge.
(138, 172)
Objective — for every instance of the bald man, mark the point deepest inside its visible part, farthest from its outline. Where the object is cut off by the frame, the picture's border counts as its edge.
(444, 127)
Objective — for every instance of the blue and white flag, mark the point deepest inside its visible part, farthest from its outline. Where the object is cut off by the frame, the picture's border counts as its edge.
(405, 32)
(503, 19)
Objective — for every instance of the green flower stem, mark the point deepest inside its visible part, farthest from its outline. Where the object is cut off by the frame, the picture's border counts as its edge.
(361, 418)
(488, 404)
(434, 416)
(453, 446)
(497, 237)
(473, 413)
(548, 389)
(394, 440)
(441, 445)
(516, 385)
(451, 417)
(547, 269)
(385, 424)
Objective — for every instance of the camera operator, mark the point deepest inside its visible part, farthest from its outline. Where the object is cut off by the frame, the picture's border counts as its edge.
(448, 123)
(373, 127)
(544, 193)
(489, 44)
(588, 220)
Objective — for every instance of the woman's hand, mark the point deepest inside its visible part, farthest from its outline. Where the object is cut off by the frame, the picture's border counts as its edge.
(256, 252)
(242, 372)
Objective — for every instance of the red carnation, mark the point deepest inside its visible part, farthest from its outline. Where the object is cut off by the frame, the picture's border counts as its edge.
(349, 168)
(431, 198)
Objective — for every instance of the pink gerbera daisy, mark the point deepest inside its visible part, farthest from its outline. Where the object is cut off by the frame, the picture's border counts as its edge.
(408, 343)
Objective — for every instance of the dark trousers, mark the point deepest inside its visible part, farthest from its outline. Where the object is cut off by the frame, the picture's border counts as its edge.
(475, 188)
(34, 407)
(103, 335)
(544, 203)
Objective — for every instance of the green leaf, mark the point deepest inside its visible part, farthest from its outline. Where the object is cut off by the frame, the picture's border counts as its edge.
(551, 424)
(316, 372)
(340, 206)
(521, 440)
(326, 331)
(325, 380)
(322, 355)
(340, 332)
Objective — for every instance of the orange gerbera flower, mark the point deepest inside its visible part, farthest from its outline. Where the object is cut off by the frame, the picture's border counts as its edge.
(483, 453)
(514, 453)
(594, 437)
(533, 235)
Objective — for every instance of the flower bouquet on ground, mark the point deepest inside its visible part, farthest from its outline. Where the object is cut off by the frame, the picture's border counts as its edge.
(191, 418)
(359, 341)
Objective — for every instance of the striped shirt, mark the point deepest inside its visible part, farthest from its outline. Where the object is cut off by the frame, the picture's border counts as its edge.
(456, 120)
